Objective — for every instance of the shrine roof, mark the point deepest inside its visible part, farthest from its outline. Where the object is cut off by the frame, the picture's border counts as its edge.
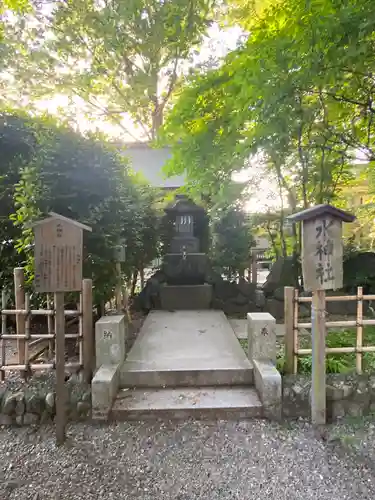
(321, 211)
(55, 216)
(182, 204)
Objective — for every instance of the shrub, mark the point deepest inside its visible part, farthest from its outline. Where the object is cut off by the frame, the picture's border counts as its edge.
(56, 169)
(335, 363)
(231, 241)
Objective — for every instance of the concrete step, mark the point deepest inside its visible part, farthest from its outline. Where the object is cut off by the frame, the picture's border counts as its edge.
(208, 403)
(134, 375)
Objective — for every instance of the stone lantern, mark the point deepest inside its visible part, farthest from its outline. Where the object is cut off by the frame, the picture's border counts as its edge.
(184, 214)
(185, 263)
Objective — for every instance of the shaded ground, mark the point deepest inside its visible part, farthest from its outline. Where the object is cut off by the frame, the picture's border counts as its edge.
(355, 437)
(186, 461)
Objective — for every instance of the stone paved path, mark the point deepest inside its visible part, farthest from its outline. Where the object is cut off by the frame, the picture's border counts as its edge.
(186, 461)
(186, 340)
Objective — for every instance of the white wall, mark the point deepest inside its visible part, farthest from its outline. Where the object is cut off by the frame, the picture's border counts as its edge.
(149, 162)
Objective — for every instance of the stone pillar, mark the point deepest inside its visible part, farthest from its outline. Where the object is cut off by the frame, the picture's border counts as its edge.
(110, 338)
(261, 334)
(261, 330)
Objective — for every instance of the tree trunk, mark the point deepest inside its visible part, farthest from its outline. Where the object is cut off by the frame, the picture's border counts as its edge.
(134, 283)
(273, 241)
(142, 276)
(157, 121)
(296, 255)
(241, 275)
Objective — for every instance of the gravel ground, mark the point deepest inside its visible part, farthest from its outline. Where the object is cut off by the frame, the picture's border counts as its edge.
(181, 461)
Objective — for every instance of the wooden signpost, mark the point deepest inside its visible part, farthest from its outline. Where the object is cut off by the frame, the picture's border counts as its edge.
(322, 269)
(58, 269)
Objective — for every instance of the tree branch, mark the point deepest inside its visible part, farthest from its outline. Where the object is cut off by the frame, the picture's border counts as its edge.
(106, 113)
(138, 121)
(172, 83)
(302, 158)
(342, 98)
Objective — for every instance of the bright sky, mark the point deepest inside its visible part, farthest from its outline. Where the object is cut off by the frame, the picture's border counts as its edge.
(217, 43)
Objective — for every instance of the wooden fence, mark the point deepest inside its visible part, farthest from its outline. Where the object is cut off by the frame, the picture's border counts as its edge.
(293, 325)
(27, 340)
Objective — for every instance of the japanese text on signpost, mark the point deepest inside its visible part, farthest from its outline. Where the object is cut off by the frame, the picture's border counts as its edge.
(322, 254)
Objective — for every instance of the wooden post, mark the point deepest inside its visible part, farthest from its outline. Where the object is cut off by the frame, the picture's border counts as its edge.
(3, 332)
(80, 332)
(50, 326)
(58, 251)
(27, 334)
(60, 368)
(295, 323)
(19, 289)
(318, 386)
(359, 341)
(289, 330)
(322, 269)
(88, 331)
(254, 267)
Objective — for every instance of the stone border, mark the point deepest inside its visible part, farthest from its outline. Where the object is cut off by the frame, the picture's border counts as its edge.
(111, 335)
(261, 330)
(268, 384)
(105, 385)
(33, 406)
(346, 395)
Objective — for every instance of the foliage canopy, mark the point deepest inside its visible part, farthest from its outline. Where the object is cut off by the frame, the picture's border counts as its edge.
(298, 95)
(121, 58)
(45, 168)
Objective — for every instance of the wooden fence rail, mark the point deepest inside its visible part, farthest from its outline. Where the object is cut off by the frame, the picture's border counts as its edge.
(292, 326)
(25, 339)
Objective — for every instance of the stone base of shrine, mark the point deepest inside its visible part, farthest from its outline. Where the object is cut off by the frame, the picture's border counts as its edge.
(185, 297)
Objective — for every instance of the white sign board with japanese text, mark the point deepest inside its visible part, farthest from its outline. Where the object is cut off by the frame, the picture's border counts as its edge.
(58, 256)
(322, 253)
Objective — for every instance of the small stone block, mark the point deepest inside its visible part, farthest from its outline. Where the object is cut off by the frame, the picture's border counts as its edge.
(19, 419)
(6, 420)
(269, 386)
(261, 330)
(31, 419)
(110, 339)
(104, 388)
